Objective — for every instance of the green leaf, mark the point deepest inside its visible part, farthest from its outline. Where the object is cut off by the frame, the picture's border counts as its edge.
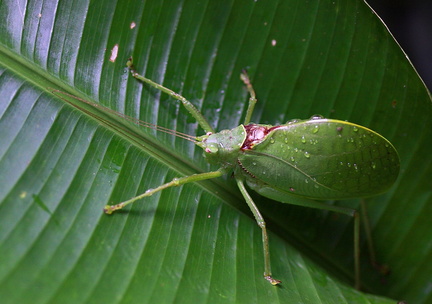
(197, 243)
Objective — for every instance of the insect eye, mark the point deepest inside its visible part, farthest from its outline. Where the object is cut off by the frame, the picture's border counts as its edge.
(211, 149)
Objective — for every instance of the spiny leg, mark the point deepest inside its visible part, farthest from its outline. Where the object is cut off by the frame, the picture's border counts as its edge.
(262, 225)
(187, 104)
(175, 182)
(252, 100)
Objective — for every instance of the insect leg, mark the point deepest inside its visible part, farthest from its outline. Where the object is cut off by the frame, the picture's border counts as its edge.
(187, 104)
(175, 182)
(262, 225)
(252, 100)
(382, 268)
(356, 250)
(347, 211)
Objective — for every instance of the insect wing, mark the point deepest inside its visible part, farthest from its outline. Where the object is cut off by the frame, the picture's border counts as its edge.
(322, 159)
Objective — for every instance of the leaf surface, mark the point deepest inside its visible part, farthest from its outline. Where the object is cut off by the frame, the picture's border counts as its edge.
(196, 243)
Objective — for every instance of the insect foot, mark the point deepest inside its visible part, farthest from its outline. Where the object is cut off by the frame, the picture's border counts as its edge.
(272, 281)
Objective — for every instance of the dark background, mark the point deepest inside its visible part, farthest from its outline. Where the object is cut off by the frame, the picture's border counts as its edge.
(410, 22)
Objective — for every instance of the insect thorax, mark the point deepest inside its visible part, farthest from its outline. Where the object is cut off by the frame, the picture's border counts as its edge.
(222, 148)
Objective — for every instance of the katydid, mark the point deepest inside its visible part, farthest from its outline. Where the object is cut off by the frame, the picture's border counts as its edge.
(299, 163)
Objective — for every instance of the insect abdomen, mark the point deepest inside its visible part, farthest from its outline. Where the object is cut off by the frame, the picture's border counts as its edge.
(323, 159)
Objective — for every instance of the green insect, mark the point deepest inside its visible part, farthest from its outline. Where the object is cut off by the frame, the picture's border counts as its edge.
(298, 163)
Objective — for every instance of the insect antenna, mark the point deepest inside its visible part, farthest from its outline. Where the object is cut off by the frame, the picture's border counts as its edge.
(136, 121)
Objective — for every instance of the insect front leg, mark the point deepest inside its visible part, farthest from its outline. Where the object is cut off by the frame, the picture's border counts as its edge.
(175, 182)
(262, 225)
(187, 104)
